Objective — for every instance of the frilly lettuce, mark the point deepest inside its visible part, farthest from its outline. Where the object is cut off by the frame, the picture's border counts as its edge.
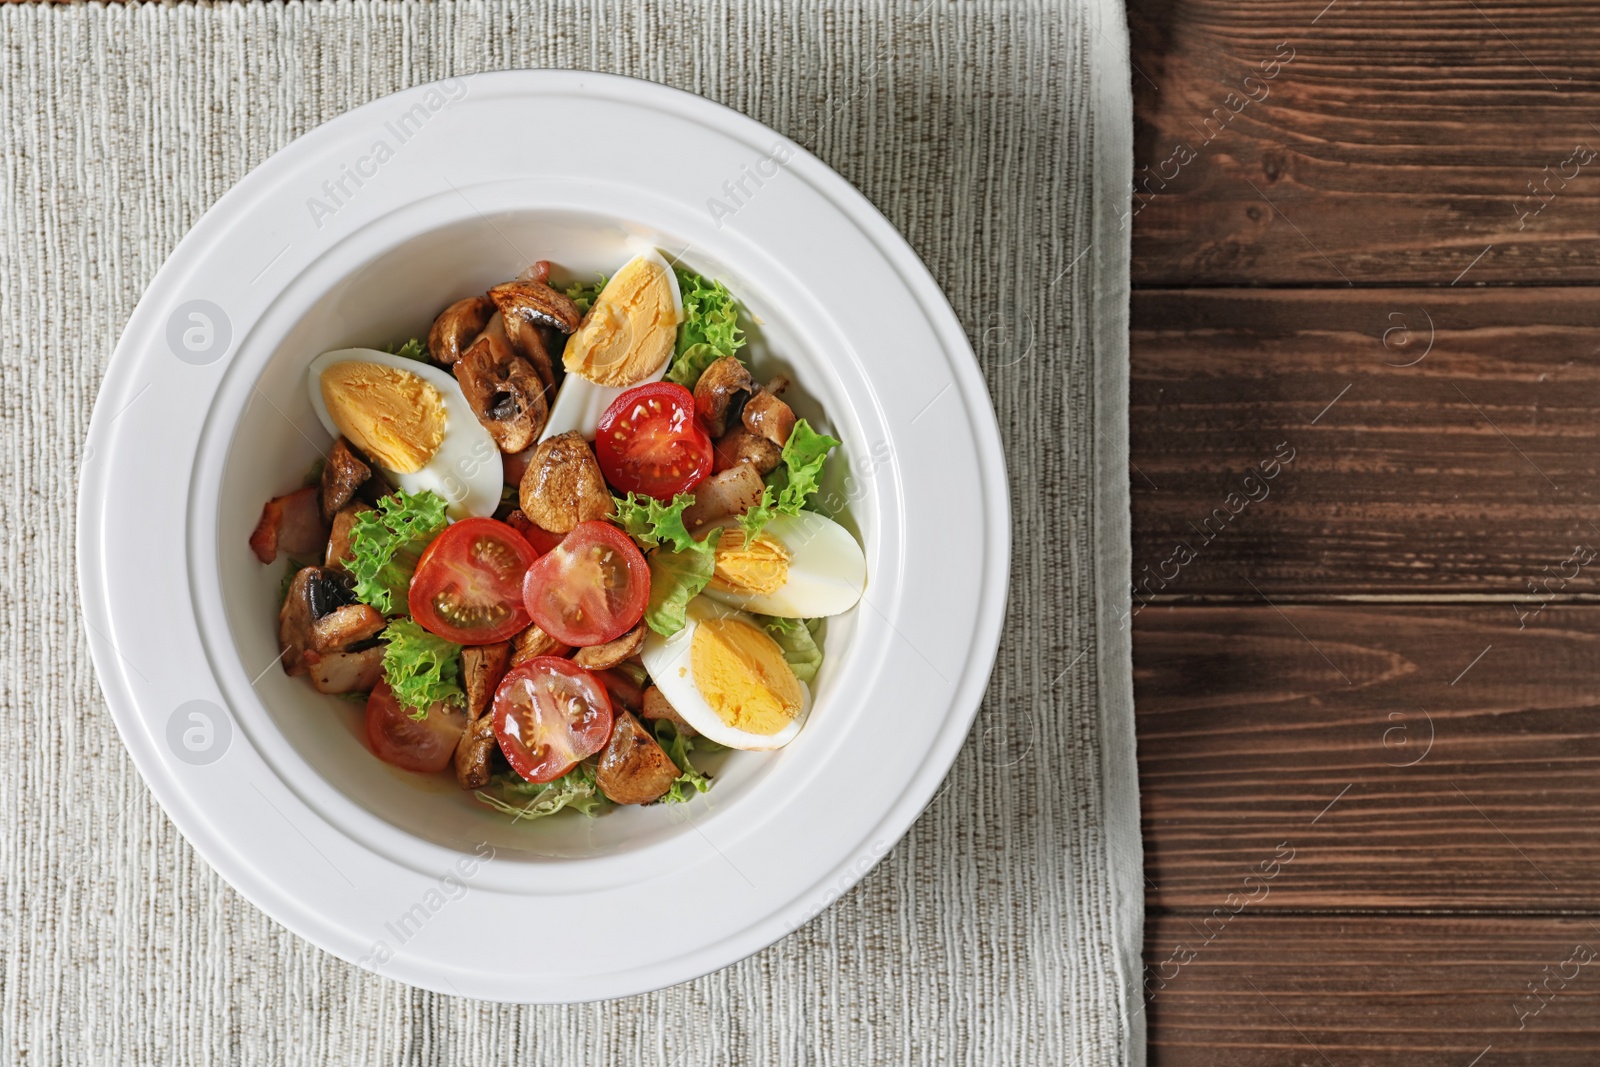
(791, 486)
(677, 746)
(421, 669)
(386, 542)
(680, 566)
(511, 795)
(650, 522)
(710, 328)
(584, 295)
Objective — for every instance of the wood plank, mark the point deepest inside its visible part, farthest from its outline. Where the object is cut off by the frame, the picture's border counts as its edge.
(1468, 471)
(1403, 140)
(1311, 991)
(1406, 757)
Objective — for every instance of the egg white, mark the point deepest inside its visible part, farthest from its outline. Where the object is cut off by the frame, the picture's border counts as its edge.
(827, 570)
(579, 402)
(671, 668)
(466, 470)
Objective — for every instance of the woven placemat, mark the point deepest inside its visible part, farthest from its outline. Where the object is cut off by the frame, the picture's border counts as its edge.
(1005, 927)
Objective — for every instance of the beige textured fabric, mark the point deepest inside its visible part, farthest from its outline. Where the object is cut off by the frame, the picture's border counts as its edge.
(1005, 928)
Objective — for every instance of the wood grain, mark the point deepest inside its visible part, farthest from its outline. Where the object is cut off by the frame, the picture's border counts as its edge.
(1403, 140)
(1391, 158)
(1406, 991)
(1467, 472)
(1409, 757)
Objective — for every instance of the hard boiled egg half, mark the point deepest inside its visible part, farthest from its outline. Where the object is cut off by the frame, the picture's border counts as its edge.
(728, 679)
(798, 567)
(411, 420)
(626, 339)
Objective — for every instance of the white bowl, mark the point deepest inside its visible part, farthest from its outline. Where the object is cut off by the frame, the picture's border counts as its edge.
(336, 242)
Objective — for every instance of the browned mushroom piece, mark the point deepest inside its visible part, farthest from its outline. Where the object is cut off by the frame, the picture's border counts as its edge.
(457, 327)
(314, 594)
(739, 445)
(766, 416)
(345, 672)
(295, 621)
(633, 769)
(534, 642)
(729, 492)
(657, 706)
(531, 310)
(721, 393)
(345, 626)
(482, 667)
(776, 384)
(503, 391)
(599, 657)
(342, 474)
(338, 553)
(474, 756)
(533, 301)
(563, 485)
(530, 343)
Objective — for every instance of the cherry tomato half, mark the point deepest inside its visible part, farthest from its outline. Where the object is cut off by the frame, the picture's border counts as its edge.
(549, 713)
(424, 745)
(468, 584)
(649, 442)
(590, 589)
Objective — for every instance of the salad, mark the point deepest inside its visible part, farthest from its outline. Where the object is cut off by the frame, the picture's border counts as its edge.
(563, 543)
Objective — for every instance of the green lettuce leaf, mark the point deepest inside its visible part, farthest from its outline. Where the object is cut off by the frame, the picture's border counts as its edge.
(710, 329)
(675, 579)
(803, 459)
(412, 349)
(510, 795)
(650, 522)
(798, 639)
(688, 366)
(680, 566)
(677, 746)
(755, 519)
(790, 487)
(386, 542)
(585, 295)
(421, 669)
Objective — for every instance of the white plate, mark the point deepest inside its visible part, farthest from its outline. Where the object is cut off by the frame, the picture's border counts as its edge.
(358, 233)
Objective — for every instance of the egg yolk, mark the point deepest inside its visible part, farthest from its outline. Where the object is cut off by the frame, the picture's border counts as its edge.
(629, 333)
(742, 674)
(744, 566)
(395, 417)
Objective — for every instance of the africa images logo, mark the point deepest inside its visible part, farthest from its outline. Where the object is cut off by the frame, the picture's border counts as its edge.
(339, 190)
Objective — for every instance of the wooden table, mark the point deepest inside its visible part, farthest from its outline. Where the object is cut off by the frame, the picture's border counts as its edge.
(1366, 522)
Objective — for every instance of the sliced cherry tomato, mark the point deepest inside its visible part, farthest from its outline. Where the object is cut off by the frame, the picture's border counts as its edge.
(549, 713)
(649, 442)
(541, 539)
(424, 745)
(468, 585)
(590, 589)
